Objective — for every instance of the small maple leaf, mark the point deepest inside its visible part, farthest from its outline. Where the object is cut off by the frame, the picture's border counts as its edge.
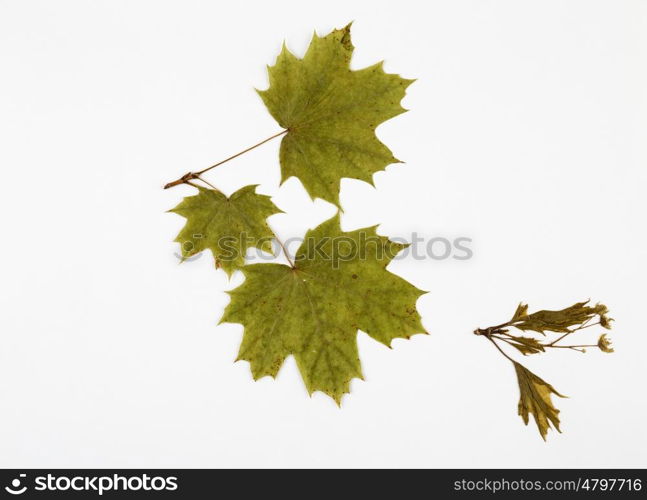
(227, 226)
(330, 113)
(526, 345)
(557, 321)
(535, 399)
(339, 284)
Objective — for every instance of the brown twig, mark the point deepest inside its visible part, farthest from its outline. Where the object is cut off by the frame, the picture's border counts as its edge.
(186, 178)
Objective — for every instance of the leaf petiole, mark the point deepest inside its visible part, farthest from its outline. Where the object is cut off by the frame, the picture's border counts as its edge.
(186, 178)
(582, 327)
(499, 348)
(283, 247)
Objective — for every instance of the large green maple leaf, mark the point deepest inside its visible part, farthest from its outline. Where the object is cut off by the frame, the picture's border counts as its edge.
(330, 113)
(227, 226)
(339, 284)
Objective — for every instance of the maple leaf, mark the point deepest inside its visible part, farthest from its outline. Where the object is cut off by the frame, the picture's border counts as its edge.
(557, 321)
(526, 345)
(535, 398)
(339, 284)
(330, 113)
(227, 226)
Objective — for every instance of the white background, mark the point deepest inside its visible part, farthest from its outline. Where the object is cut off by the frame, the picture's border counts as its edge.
(526, 133)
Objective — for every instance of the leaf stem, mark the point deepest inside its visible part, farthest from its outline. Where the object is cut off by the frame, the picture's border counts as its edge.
(196, 175)
(508, 340)
(579, 348)
(581, 327)
(499, 330)
(499, 348)
(208, 184)
(283, 247)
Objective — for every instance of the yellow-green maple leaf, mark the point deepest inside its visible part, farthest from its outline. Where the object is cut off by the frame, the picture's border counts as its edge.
(227, 226)
(557, 321)
(535, 398)
(339, 285)
(330, 113)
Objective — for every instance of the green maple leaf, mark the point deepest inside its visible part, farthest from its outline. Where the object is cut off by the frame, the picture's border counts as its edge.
(557, 321)
(339, 284)
(535, 398)
(526, 345)
(330, 113)
(227, 226)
